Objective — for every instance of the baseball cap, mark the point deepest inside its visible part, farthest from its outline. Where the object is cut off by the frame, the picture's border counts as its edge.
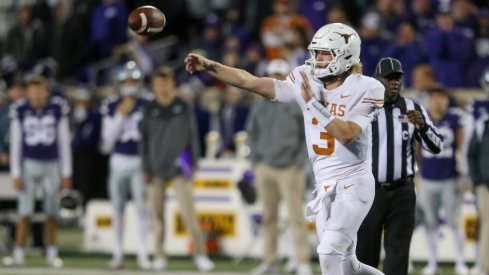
(278, 66)
(387, 66)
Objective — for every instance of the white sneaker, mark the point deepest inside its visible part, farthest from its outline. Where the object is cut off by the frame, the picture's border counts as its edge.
(55, 262)
(116, 264)
(160, 264)
(265, 269)
(203, 263)
(290, 266)
(144, 264)
(304, 269)
(475, 270)
(13, 261)
(411, 268)
(461, 270)
(430, 270)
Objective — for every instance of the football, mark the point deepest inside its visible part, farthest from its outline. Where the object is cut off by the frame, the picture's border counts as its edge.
(146, 20)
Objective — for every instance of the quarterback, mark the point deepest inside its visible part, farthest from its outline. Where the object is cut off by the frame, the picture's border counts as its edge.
(338, 105)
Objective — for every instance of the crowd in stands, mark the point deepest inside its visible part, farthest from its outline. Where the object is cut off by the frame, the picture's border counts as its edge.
(78, 37)
(82, 44)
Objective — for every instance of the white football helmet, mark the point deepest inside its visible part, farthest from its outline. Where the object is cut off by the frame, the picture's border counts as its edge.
(129, 71)
(70, 207)
(344, 44)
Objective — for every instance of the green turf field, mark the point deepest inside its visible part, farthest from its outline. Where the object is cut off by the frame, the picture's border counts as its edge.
(78, 263)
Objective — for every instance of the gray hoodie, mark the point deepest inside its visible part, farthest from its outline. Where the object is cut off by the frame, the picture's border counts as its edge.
(478, 154)
(166, 133)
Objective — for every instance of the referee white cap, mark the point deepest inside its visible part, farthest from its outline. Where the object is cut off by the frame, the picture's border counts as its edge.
(278, 66)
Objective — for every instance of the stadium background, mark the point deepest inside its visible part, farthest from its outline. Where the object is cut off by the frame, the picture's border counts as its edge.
(81, 43)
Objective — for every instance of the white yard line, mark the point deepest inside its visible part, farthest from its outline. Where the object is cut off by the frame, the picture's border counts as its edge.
(83, 271)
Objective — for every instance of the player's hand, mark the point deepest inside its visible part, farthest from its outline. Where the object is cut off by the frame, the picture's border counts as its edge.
(18, 184)
(4, 159)
(66, 183)
(126, 105)
(196, 63)
(416, 118)
(306, 88)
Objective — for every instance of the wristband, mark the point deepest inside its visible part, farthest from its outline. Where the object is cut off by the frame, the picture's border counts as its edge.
(323, 116)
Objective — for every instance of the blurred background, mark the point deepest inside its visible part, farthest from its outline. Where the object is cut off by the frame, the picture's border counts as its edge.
(81, 44)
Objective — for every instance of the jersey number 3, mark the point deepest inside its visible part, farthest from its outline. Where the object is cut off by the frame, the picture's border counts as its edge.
(329, 146)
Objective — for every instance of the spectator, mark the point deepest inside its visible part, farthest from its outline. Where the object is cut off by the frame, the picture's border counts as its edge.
(450, 50)
(465, 16)
(108, 28)
(233, 115)
(440, 185)
(70, 40)
(89, 166)
(40, 153)
(296, 51)
(422, 12)
(26, 40)
(279, 174)
(120, 138)
(277, 28)
(170, 151)
(202, 115)
(314, 11)
(390, 13)
(423, 79)
(480, 61)
(253, 59)
(233, 26)
(211, 40)
(373, 45)
(336, 14)
(407, 48)
(15, 93)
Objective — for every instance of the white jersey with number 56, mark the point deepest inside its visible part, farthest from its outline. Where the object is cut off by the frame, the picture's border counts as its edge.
(356, 100)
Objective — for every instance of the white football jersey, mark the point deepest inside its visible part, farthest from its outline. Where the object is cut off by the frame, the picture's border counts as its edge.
(358, 100)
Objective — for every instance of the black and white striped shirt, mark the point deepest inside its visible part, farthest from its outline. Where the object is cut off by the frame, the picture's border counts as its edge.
(393, 147)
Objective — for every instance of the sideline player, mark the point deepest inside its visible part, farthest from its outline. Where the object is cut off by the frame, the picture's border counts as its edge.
(40, 154)
(440, 186)
(338, 105)
(122, 114)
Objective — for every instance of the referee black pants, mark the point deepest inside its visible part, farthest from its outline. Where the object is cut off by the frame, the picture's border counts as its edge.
(392, 213)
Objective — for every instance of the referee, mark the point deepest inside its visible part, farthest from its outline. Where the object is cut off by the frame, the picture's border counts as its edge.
(394, 131)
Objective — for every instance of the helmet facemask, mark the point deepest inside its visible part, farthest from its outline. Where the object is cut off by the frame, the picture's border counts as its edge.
(334, 67)
(129, 72)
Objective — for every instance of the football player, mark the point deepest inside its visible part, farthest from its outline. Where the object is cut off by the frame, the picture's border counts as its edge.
(120, 138)
(479, 109)
(338, 104)
(439, 179)
(40, 155)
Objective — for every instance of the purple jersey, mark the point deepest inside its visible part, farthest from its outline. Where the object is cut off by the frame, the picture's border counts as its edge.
(443, 165)
(39, 128)
(129, 136)
(478, 108)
